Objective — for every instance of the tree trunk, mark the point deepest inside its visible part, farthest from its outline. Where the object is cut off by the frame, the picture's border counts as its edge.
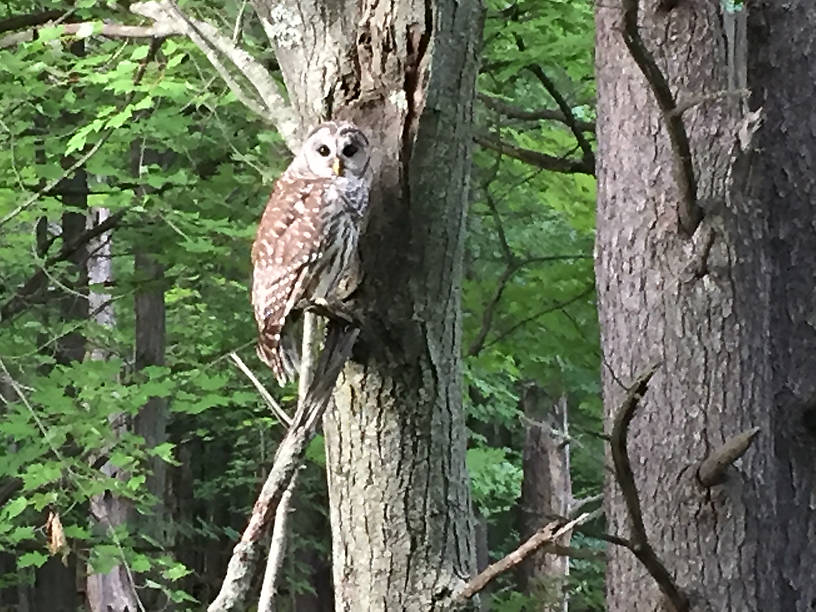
(728, 313)
(112, 591)
(402, 533)
(546, 491)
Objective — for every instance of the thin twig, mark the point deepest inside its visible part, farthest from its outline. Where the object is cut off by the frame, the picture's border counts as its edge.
(529, 319)
(270, 401)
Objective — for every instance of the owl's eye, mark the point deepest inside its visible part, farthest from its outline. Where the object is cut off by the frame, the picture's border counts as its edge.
(323, 150)
(349, 150)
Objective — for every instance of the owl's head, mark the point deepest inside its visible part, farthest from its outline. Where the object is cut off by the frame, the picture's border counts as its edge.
(334, 148)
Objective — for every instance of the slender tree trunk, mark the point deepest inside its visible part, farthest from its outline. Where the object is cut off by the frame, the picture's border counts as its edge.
(112, 591)
(728, 313)
(546, 491)
(405, 72)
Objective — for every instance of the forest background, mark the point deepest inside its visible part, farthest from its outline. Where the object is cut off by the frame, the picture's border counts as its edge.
(131, 183)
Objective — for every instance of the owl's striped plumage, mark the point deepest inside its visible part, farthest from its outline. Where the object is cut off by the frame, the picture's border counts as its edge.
(308, 235)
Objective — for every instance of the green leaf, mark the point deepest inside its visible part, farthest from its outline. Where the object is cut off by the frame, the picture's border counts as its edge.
(140, 52)
(164, 452)
(14, 508)
(175, 572)
(31, 559)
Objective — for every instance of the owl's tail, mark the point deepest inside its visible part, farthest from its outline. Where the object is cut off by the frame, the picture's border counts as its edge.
(278, 352)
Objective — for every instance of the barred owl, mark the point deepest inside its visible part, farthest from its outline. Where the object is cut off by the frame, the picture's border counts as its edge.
(307, 238)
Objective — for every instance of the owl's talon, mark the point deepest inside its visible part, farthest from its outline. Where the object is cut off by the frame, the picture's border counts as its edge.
(334, 309)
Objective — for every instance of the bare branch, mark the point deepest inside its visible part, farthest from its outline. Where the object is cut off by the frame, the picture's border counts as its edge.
(713, 468)
(337, 348)
(270, 401)
(639, 542)
(688, 211)
(211, 42)
(544, 114)
(277, 546)
(566, 109)
(540, 160)
(15, 22)
(91, 28)
(546, 535)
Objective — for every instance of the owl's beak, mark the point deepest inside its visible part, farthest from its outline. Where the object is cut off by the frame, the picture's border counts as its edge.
(337, 166)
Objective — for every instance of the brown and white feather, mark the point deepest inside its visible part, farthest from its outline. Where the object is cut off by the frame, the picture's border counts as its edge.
(305, 244)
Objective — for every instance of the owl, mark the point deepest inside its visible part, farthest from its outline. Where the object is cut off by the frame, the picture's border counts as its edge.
(307, 238)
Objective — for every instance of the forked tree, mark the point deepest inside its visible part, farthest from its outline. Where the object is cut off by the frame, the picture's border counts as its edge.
(706, 268)
(405, 73)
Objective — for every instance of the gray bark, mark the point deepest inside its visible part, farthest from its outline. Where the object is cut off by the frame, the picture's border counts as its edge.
(732, 324)
(546, 492)
(405, 72)
(113, 590)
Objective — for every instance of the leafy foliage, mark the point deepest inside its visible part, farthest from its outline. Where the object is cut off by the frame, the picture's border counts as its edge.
(159, 141)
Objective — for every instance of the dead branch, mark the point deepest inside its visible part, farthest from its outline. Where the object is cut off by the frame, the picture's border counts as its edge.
(639, 541)
(90, 28)
(311, 340)
(267, 101)
(688, 211)
(270, 401)
(247, 551)
(548, 534)
(541, 160)
(712, 470)
(277, 546)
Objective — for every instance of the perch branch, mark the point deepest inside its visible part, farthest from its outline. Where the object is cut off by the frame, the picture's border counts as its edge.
(689, 212)
(247, 551)
(713, 468)
(639, 541)
(270, 401)
(311, 339)
(548, 534)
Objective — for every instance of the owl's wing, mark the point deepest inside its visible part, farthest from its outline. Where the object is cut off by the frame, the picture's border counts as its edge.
(287, 242)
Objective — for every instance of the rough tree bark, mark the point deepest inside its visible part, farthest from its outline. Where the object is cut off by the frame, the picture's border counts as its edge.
(546, 491)
(405, 72)
(728, 312)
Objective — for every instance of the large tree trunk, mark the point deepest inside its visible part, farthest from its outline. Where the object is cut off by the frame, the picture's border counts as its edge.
(405, 72)
(733, 326)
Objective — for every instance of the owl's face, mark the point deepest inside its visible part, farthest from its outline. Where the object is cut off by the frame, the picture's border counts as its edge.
(334, 149)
